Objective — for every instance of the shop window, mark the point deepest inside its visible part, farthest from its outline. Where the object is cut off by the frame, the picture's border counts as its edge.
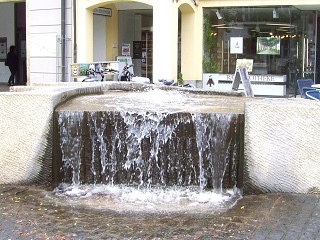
(278, 40)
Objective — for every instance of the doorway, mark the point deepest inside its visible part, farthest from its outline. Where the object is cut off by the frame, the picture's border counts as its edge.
(20, 41)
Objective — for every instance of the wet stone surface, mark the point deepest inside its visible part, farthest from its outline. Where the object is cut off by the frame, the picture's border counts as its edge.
(29, 212)
(157, 100)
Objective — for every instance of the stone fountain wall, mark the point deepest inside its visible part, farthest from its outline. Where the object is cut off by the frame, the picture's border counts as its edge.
(280, 146)
(282, 152)
(26, 130)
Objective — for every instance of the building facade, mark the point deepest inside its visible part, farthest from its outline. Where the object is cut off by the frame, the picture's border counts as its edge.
(196, 40)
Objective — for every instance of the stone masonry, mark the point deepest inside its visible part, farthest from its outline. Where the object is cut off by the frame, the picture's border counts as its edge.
(281, 146)
(26, 131)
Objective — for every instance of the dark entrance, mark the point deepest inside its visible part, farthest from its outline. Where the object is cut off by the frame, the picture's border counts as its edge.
(20, 41)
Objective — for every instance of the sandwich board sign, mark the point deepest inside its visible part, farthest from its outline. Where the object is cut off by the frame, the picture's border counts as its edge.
(241, 75)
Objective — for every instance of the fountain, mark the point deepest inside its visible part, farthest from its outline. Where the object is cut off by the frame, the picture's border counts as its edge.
(270, 163)
(153, 139)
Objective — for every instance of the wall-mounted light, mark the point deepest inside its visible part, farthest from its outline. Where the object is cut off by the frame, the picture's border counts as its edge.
(275, 13)
(219, 16)
(231, 27)
(218, 25)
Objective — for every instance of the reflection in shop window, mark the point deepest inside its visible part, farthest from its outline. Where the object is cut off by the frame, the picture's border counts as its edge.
(278, 43)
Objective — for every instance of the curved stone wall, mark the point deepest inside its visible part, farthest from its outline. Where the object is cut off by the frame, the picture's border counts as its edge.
(26, 130)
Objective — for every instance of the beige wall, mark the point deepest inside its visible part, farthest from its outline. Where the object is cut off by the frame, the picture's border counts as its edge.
(191, 41)
(112, 34)
(84, 32)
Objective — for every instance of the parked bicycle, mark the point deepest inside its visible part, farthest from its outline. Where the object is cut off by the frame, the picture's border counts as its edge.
(126, 75)
(172, 83)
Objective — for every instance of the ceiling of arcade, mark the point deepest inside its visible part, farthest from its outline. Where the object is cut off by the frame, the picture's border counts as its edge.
(137, 7)
(142, 8)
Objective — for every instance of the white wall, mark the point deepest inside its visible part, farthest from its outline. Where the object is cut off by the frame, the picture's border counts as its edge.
(99, 38)
(43, 51)
(6, 30)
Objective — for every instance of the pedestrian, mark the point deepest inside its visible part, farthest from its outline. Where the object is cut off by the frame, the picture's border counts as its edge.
(12, 62)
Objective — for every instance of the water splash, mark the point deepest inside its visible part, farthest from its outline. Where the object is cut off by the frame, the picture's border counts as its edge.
(130, 199)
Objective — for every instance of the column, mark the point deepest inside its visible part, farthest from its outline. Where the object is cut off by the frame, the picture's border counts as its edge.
(165, 34)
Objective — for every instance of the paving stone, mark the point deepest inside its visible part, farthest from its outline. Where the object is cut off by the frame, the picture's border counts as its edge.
(292, 235)
(27, 213)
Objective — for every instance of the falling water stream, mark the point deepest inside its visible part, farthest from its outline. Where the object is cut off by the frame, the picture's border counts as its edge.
(156, 150)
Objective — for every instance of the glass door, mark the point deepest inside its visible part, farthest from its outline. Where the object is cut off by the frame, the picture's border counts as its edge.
(303, 47)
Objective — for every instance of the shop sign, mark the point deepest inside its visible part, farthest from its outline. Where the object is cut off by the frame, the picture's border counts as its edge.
(272, 85)
(103, 11)
(254, 78)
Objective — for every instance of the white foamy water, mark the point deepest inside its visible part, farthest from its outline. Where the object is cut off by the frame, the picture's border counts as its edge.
(157, 100)
(158, 97)
(123, 198)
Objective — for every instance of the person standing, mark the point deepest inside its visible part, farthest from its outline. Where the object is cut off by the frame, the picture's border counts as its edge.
(12, 62)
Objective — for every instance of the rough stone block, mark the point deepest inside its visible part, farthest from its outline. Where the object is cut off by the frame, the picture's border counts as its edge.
(281, 146)
(26, 131)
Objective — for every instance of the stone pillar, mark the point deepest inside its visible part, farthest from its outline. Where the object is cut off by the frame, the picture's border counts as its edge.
(165, 40)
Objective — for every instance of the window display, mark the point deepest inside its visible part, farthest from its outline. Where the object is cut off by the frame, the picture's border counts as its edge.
(278, 44)
(268, 45)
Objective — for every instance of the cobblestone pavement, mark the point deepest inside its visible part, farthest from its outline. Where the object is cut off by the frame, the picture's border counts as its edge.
(26, 212)
(4, 87)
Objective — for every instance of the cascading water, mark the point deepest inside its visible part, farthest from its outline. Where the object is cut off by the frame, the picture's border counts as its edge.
(71, 145)
(149, 147)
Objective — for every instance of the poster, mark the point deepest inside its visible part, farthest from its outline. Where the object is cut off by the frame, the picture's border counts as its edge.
(125, 49)
(210, 81)
(137, 50)
(236, 45)
(268, 45)
(245, 63)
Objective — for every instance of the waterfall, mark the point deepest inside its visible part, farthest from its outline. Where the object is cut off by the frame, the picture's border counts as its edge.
(146, 149)
(71, 144)
(217, 148)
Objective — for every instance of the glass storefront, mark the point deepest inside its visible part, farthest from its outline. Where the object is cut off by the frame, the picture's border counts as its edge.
(278, 42)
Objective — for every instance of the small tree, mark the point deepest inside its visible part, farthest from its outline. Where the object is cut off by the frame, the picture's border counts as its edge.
(208, 63)
(180, 79)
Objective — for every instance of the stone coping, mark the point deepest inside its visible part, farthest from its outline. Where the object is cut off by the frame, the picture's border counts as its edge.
(114, 85)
